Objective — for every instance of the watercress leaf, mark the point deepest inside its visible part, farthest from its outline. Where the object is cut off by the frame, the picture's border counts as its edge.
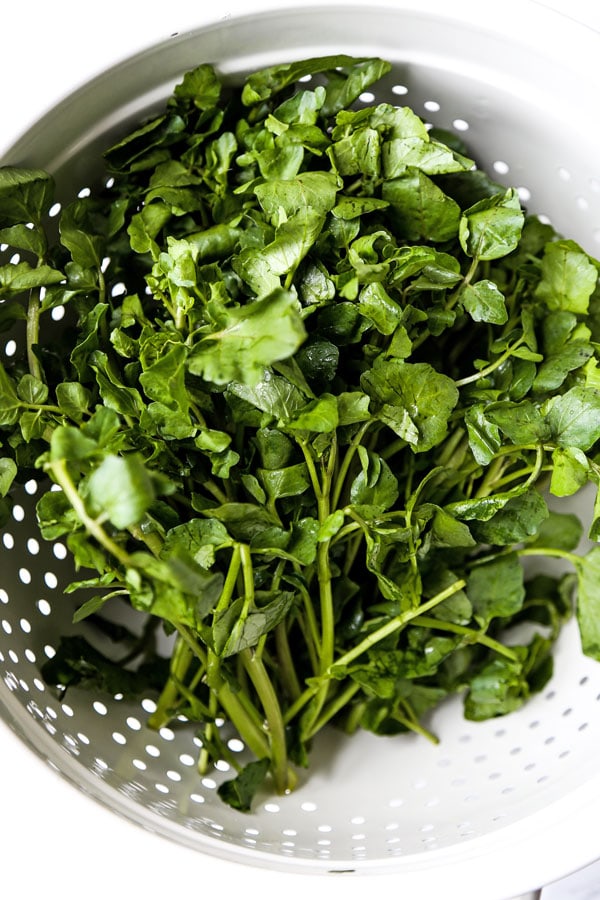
(316, 191)
(8, 472)
(288, 482)
(246, 632)
(484, 436)
(419, 208)
(561, 530)
(353, 407)
(574, 418)
(521, 423)
(485, 302)
(496, 588)
(10, 404)
(568, 277)
(491, 228)
(570, 471)
(243, 521)
(55, 515)
(73, 399)
(320, 415)
(519, 520)
(588, 602)
(79, 234)
(23, 237)
(114, 392)
(375, 304)
(239, 792)
(201, 86)
(413, 399)
(71, 444)
(15, 278)
(272, 394)
(375, 485)
(497, 689)
(556, 366)
(25, 195)
(122, 489)
(252, 337)
(447, 531)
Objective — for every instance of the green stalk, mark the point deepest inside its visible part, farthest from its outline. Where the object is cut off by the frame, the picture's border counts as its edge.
(276, 728)
(180, 662)
(474, 636)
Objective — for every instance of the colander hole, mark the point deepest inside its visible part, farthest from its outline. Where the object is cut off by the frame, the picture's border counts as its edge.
(54, 210)
(400, 90)
(461, 125)
(119, 738)
(83, 737)
(99, 707)
(8, 540)
(564, 174)
(209, 783)
(30, 655)
(167, 734)
(50, 580)
(13, 657)
(308, 806)
(24, 575)
(152, 750)
(6, 627)
(15, 259)
(173, 775)
(272, 807)
(139, 764)
(33, 546)
(39, 685)
(58, 313)
(31, 487)
(222, 765)
(148, 705)
(235, 745)
(18, 512)
(84, 192)
(197, 798)
(118, 289)
(3, 596)
(49, 651)
(186, 759)
(432, 106)
(10, 348)
(524, 194)
(44, 607)
(67, 710)
(59, 550)
(367, 97)
(501, 167)
(161, 788)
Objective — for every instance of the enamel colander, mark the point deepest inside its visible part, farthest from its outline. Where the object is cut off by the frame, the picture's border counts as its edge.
(516, 796)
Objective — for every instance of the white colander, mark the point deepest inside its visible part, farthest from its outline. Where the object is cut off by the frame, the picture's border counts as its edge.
(497, 808)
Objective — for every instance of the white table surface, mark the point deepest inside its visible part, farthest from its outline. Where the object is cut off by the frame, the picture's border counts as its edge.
(72, 847)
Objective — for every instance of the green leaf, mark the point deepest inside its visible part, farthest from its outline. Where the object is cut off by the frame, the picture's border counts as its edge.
(375, 485)
(519, 520)
(496, 588)
(251, 338)
(8, 472)
(588, 602)
(570, 471)
(574, 418)
(420, 209)
(78, 234)
(25, 195)
(491, 228)
(568, 277)
(485, 302)
(122, 489)
(320, 415)
(413, 399)
(239, 792)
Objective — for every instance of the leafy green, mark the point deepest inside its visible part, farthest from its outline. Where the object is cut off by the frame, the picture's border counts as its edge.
(320, 388)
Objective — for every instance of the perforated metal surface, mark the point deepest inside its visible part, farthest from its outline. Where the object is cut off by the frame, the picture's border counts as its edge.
(369, 803)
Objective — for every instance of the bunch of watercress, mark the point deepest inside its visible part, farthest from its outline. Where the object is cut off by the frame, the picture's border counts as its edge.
(318, 378)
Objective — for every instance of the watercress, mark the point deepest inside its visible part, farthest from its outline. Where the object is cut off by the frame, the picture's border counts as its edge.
(318, 379)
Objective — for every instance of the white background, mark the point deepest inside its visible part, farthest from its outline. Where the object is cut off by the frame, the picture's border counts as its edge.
(72, 847)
